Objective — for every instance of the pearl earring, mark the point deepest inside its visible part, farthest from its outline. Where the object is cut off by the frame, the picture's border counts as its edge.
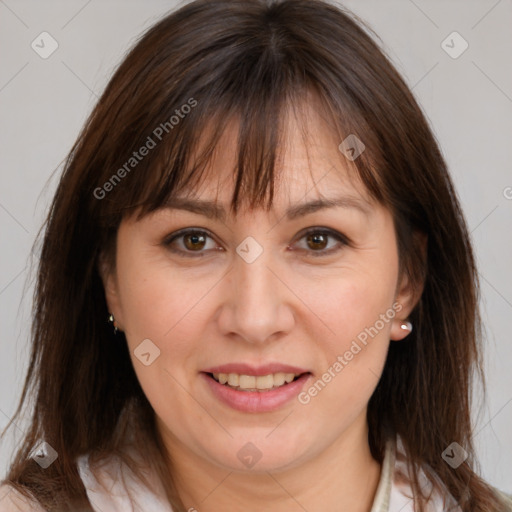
(112, 320)
(406, 326)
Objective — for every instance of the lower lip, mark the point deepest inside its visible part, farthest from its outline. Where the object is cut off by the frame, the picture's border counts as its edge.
(256, 401)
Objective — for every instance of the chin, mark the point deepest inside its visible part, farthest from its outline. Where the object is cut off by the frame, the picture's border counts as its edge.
(253, 454)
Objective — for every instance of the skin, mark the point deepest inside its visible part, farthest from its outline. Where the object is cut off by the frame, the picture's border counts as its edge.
(287, 306)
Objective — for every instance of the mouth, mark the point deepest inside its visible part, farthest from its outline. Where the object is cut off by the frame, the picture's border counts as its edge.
(256, 390)
(255, 383)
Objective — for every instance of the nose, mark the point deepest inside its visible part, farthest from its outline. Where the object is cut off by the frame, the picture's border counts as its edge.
(258, 305)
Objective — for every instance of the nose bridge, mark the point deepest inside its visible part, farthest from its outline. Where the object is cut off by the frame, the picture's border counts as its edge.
(256, 308)
(253, 283)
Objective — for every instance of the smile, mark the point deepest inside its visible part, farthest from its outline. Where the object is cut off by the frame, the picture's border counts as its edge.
(265, 392)
(260, 383)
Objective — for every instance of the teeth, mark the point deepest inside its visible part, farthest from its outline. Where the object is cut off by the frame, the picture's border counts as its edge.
(264, 382)
(246, 382)
(253, 383)
(279, 379)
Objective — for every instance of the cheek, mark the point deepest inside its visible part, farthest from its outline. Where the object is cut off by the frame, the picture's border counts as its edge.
(357, 306)
(155, 297)
(158, 306)
(165, 306)
(353, 303)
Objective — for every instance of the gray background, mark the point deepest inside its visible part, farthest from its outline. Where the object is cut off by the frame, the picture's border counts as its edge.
(468, 100)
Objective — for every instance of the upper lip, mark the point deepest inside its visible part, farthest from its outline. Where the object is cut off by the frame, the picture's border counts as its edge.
(247, 369)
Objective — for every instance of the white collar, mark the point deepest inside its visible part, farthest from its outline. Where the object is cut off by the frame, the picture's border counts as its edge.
(395, 495)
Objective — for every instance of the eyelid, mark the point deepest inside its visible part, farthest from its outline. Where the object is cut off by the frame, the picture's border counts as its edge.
(185, 231)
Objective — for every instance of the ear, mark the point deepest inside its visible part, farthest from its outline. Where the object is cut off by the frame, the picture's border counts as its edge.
(408, 292)
(108, 276)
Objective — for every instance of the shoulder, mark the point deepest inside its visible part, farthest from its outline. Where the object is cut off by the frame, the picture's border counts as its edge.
(11, 500)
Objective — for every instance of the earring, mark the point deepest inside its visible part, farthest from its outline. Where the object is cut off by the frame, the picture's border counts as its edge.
(406, 326)
(112, 320)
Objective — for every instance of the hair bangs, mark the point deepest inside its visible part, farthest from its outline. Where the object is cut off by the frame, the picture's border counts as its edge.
(254, 88)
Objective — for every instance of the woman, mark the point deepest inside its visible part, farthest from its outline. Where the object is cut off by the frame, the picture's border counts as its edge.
(258, 207)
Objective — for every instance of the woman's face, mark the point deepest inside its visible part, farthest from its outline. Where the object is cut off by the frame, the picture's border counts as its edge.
(257, 296)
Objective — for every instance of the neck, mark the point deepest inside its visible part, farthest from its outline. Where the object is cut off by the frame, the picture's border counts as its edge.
(343, 477)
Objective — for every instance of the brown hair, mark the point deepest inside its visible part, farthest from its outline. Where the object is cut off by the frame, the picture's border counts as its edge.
(248, 59)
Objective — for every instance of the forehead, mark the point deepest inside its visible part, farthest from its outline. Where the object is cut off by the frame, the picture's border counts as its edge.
(308, 166)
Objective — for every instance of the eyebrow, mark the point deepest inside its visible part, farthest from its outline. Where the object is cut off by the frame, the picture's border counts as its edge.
(213, 210)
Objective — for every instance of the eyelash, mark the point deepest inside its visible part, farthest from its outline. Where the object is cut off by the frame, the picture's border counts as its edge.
(343, 240)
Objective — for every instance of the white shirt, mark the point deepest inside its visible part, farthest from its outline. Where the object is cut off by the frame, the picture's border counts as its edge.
(391, 495)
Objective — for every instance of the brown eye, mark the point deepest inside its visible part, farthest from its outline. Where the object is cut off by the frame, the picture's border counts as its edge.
(191, 242)
(194, 241)
(318, 241)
